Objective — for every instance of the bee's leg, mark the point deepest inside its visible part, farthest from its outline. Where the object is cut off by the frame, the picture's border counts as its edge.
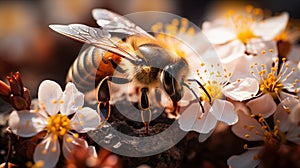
(144, 105)
(172, 88)
(198, 99)
(103, 95)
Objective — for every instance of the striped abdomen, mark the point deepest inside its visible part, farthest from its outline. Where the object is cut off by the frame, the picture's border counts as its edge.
(90, 67)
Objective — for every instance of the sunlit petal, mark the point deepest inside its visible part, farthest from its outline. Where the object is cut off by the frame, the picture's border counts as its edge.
(259, 47)
(49, 95)
(231, 51)
(217, 34)
(206, 123)
(47, 151)
(203, 137)
(70, 143)
(189, 116)
(85, 119)
(248, 159)
(242, 89)
(26, 123)
(287, 114)
(71, 100)
(224, 111)
(272, 26)
(264, 104)
(293, 133)
(247, 128)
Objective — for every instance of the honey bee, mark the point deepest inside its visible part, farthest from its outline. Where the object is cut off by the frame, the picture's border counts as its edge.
(142, 58)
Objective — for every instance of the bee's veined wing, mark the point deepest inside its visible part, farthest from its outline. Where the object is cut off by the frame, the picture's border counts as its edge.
(97, 37)
(113, 22)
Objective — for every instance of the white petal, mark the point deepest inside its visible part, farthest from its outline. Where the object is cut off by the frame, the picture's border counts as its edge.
(47, 151)
(240, 68)
(264, 104)
(286, 120)
(216, 33)
(70, 143)
(288, 84)
(255, 46)
(271, 27)
(282, 116)
(293, 133)
(224, 111)
(85, 119)
(295, 113)
(230, 51)
(72, 99)
(49, 95)
(241, 90)
(188, 117)
(26, 123)
(206, 123)
(245, 160)
(203, 137)
(247, 128)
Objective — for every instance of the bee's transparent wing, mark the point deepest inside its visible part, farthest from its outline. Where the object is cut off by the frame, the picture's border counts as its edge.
(113, 22)
(97, 37)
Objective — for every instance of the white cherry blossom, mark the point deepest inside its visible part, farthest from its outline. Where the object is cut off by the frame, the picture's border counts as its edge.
(253, 127)
(53, 117)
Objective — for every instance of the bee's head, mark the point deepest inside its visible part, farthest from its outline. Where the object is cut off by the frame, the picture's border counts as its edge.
(172, 77)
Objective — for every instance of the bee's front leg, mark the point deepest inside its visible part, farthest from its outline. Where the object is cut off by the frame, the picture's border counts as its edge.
(144, 105)
(104, 95)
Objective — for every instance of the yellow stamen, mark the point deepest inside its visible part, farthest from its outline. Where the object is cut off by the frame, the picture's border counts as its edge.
(58, 125)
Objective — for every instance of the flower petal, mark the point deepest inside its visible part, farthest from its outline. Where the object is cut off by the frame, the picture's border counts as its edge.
(230, 51)
(26, 123)
(293, 133)
(289, 83)
(247, 159)
(264, 104)
(205, 123)
(49, 95)
(256, 46)
(271, 27)
(285, 116)
(188, 117)
(247, 128)
(203, 137)
(224, 111)
(217, 33)
(47, 151)
(72, 99)
(85, 119)
(242, 89)
(70, 143)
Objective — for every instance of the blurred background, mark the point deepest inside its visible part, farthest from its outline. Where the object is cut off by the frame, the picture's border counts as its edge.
(29, 46)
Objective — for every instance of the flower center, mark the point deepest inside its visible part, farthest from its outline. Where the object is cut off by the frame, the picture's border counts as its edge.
(58, 125)
(214, 89)
(272, 82)
(243, 22)
(245, 34)
(271, 136)
(271, 85)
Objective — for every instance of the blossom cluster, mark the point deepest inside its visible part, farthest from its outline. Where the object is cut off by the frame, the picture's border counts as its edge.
(251, 84)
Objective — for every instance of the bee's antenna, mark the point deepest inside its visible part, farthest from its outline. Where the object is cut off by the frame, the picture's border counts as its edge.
(202, 87)
(196, 96)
